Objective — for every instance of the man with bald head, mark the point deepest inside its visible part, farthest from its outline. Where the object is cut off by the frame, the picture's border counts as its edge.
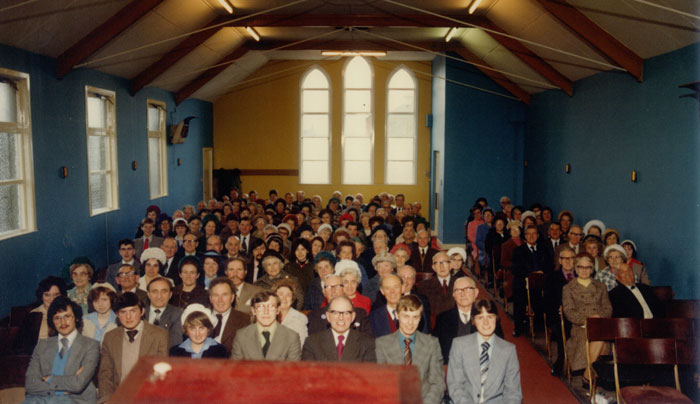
(341, 342)
(384, 317)
(422, 253)
(631, 299)
(438, 289)
(318, 318)
(456, 322)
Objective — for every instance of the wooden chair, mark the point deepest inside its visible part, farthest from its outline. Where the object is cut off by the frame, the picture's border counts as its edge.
(647, 351)
(683, 308)
(663, 293)
(8, 335)
(17, 315)
(567, 368)
(534, 285)
(677, 328)
(607, 329)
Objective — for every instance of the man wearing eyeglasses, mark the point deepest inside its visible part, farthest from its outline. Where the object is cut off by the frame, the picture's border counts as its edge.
(318, 318)
(438, 289)
(266, 339)
(128, 281)
(340, 343)
(456, 322)
(127, 252)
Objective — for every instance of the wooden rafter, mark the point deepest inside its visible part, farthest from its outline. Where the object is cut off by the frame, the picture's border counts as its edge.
(176, 54)
(499, 78)
(351, 20)
(532, 60)
(595, 35)
(191, 87)
(357, 45)
(101, 35)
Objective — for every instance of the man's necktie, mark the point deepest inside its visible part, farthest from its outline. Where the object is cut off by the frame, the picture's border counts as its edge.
(444, 286)
(396, 318)
(266, 346)
(145, 243)
(156, 321)
(131, 334)
(422, 255)
(340, 346)
(407, 357)
(64, 347)
(484, 361)
(244, 245)
(217, 330)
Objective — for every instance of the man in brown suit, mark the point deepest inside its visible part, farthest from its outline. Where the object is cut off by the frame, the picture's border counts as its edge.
(123, 346)
(229, 320)
(438, 289)
(422, 253)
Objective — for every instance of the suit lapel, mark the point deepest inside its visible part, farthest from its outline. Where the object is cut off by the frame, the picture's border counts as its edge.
(496, 366)
(352, 347)
(394, 350)
(74, 355)
(472, 361)
(146, 340)
(419, 353)
(279, 341)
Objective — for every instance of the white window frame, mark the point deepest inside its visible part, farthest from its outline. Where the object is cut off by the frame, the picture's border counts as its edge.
(111, 133)
(371, 117)
(301, 123)
(160, 135)
(414, 113)
(25, 169)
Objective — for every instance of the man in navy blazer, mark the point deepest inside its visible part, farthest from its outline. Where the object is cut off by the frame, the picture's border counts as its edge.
(384, 319)
(483, 367)
(64, 365)
(628, 298)
(339, 343)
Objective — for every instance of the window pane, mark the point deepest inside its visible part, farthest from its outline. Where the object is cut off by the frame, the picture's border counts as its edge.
(400, 148)
(154, 166)
(401, 100)
(97, 113)
(400, 172)
(357, 149)
(97, 153)
(314, 149)
(99, 191)
(315, 79)
(358, 74)
(315, 172)
(8, 103)
(401, 79)
(401, 125)
(357, 172)
(358, 100)
(154, 115)
(315, 101)
(358, 125)
(10, 206)
(314, 126)
(9, 153)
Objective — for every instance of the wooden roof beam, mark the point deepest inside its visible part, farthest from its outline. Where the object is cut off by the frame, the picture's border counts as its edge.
(595, 35)
(355, 45)
(101, 35)
(191, 87)
(499, 78)
(532, 60)
(351, 20)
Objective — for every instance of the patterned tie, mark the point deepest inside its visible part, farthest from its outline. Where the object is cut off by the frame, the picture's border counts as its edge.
(156, 321)
(340, 346)
(484, 362)
(131, 334)
(407, 357)
(217, 330)
(266, 335)
(64, 347)
(244, 245)
(422, 255)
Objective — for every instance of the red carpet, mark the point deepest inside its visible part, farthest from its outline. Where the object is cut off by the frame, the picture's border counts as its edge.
(538, 385)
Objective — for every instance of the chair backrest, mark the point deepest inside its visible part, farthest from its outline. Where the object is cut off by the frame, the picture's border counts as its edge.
(645, 351)
(678, 328)
(683, 308)
(536, 282)
(688, 352)
(607, 329)
(663, 293)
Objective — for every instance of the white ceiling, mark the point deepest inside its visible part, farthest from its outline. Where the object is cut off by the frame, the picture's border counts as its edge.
(51, 27)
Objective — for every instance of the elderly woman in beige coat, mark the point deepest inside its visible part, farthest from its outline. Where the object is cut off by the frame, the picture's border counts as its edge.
(584, 297)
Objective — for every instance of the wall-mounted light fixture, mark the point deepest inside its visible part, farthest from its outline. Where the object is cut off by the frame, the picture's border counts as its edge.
(524, 163)
(134, 165)
(227, 5)
(64, 172)
(253, 33)
(179, 162)
(567, 168)
(474, 6)
(634, 175)
(352, 53)
(452, 31)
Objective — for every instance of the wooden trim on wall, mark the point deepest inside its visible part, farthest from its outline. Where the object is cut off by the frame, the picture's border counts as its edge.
(289, 173)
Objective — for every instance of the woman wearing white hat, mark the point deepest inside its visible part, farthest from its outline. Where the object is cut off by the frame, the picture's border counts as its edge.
(198, 324)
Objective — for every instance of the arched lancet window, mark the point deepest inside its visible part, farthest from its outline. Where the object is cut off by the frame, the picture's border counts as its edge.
(401, 135)
(358, 122)
(315, 131)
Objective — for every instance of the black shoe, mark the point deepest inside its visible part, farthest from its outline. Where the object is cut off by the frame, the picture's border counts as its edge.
(557, 369)
(585, 383)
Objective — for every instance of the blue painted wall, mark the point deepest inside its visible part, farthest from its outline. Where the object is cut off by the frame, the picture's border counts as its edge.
(482, 144)
(611, 126)
(65, 228)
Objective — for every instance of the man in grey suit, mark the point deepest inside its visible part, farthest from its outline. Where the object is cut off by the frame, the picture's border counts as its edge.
(162, 314)
(340, 343)
(410, 347)
(126, 251)
(483, 367)
(62, 367)
(266, 339)
(148, 240)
